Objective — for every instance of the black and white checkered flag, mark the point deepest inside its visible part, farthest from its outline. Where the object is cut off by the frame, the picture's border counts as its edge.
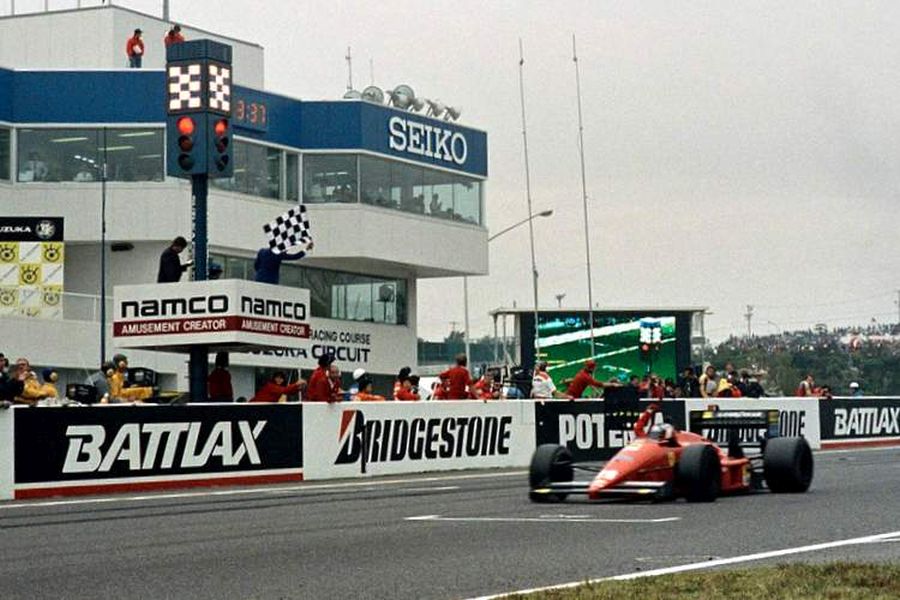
(289, 230)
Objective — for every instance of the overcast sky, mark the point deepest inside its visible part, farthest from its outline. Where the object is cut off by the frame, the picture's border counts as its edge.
(737, 153)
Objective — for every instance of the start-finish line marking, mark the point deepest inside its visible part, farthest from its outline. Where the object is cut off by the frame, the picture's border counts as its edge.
(541, 519)
(709, 564)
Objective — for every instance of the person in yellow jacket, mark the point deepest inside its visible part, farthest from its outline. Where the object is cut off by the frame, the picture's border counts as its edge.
(118, 391)
(31, 390)
(48, 389)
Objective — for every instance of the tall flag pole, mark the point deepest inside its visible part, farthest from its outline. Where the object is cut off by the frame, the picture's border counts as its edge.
(534, 271)
(584, 198)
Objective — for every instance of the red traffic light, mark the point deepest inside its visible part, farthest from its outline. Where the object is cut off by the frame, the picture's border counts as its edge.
(221, 127)
(186, 126)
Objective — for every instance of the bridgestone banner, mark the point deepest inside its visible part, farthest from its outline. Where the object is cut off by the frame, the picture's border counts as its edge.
(359, 438)
(860, 419)
(59, 446)
(595, 430)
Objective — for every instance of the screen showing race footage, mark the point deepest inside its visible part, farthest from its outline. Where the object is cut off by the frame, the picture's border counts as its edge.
(623, 345)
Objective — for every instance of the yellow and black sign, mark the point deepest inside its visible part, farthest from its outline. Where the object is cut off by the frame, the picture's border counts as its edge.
(32, 259)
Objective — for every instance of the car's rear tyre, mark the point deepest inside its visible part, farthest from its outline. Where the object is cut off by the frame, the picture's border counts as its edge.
(550, 464)
(698, 475)
(788, 465)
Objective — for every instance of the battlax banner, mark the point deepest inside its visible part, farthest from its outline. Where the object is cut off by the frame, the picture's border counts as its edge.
(56, 446)
(32, 256)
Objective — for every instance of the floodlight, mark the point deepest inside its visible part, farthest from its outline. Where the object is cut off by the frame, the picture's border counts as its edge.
(352, 95)
(402, 96)
(417, 105)
(373, 94)
(435, 108)
(452, 113)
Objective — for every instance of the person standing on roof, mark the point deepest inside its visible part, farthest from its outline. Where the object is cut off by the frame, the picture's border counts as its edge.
(173, 36)
(134, 48)
(319, 388)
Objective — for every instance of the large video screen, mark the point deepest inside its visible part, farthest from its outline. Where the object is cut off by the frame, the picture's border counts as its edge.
(623, 345)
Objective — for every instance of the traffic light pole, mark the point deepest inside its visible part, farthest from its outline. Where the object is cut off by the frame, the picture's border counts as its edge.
(199, 357)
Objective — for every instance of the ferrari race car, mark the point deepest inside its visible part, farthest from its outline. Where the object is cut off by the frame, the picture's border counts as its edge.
(665, 463)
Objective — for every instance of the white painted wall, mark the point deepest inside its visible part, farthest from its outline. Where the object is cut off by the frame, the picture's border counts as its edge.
(351, 237)
(94, 38)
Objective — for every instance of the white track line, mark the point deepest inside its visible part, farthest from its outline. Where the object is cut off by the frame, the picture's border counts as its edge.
(301, 488)
(708, 564)
(542, 519)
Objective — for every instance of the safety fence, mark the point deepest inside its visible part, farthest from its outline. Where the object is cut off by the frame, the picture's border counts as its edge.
(50, 451)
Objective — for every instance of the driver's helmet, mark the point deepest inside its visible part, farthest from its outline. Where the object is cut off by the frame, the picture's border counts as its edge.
(662, 431)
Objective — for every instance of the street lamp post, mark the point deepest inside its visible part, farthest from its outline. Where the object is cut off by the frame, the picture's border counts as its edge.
(543, 213)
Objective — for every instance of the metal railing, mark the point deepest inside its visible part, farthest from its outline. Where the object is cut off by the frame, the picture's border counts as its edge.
(67, 306)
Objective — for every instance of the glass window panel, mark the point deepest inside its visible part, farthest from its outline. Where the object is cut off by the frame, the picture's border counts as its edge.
(4, 153)
(439, 194)
(257, 171)
(292, 191)
(408, 187)
(133, 154)
(375, 186)
(57, 155)
(467, 200)
(359, 301)
(334, 294)
(329, 178)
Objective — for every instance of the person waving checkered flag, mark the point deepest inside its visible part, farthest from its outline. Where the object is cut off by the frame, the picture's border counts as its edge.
(289, 230)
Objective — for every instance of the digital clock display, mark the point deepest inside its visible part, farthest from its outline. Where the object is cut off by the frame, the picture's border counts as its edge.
(250, 115)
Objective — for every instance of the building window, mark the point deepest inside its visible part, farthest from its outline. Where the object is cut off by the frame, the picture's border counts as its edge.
(335, 294)
(329, 178)
(78, 154)
(420, 190)
(4, 154)
(257, 171)
(292, 189)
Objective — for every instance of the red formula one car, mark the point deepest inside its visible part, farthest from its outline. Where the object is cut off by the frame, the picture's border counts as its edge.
(666, 463)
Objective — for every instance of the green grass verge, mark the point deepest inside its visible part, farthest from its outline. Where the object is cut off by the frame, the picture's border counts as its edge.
(832, 581)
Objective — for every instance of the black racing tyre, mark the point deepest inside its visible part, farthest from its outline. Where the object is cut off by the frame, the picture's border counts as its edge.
(788, 465)
(698, 475)
(550, 463)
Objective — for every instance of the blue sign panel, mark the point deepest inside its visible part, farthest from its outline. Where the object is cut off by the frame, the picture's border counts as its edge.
(135, 96)
(366, 126)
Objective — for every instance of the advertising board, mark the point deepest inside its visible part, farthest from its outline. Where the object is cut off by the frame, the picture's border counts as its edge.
(798, 416)
(860, 422)
(229, 313)
(382, 438)
(89, 450)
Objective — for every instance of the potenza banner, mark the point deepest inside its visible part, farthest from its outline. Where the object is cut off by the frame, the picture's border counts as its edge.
(109, 444)
(797, 417)
(31, 266)
(359, 438)
(595, 430)
(230, 311)
(859, 420)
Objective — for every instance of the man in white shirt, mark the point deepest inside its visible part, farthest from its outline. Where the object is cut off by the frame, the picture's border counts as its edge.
(542, 386)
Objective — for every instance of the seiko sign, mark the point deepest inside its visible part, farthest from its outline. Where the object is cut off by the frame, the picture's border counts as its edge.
(426, 140)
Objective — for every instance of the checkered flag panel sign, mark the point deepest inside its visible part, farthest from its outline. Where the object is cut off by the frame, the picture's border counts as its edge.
(219, 88)
(288, 230)
(185, 87)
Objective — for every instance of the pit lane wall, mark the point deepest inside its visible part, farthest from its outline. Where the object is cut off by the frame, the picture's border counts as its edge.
(53, 451)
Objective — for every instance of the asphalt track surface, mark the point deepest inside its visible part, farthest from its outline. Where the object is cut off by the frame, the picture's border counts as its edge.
(475, 534)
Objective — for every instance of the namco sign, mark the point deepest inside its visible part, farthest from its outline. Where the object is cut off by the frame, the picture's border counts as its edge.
(213, 312)
(427, 140)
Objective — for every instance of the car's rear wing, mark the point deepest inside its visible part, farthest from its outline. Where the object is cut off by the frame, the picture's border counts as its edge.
(736, 427)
